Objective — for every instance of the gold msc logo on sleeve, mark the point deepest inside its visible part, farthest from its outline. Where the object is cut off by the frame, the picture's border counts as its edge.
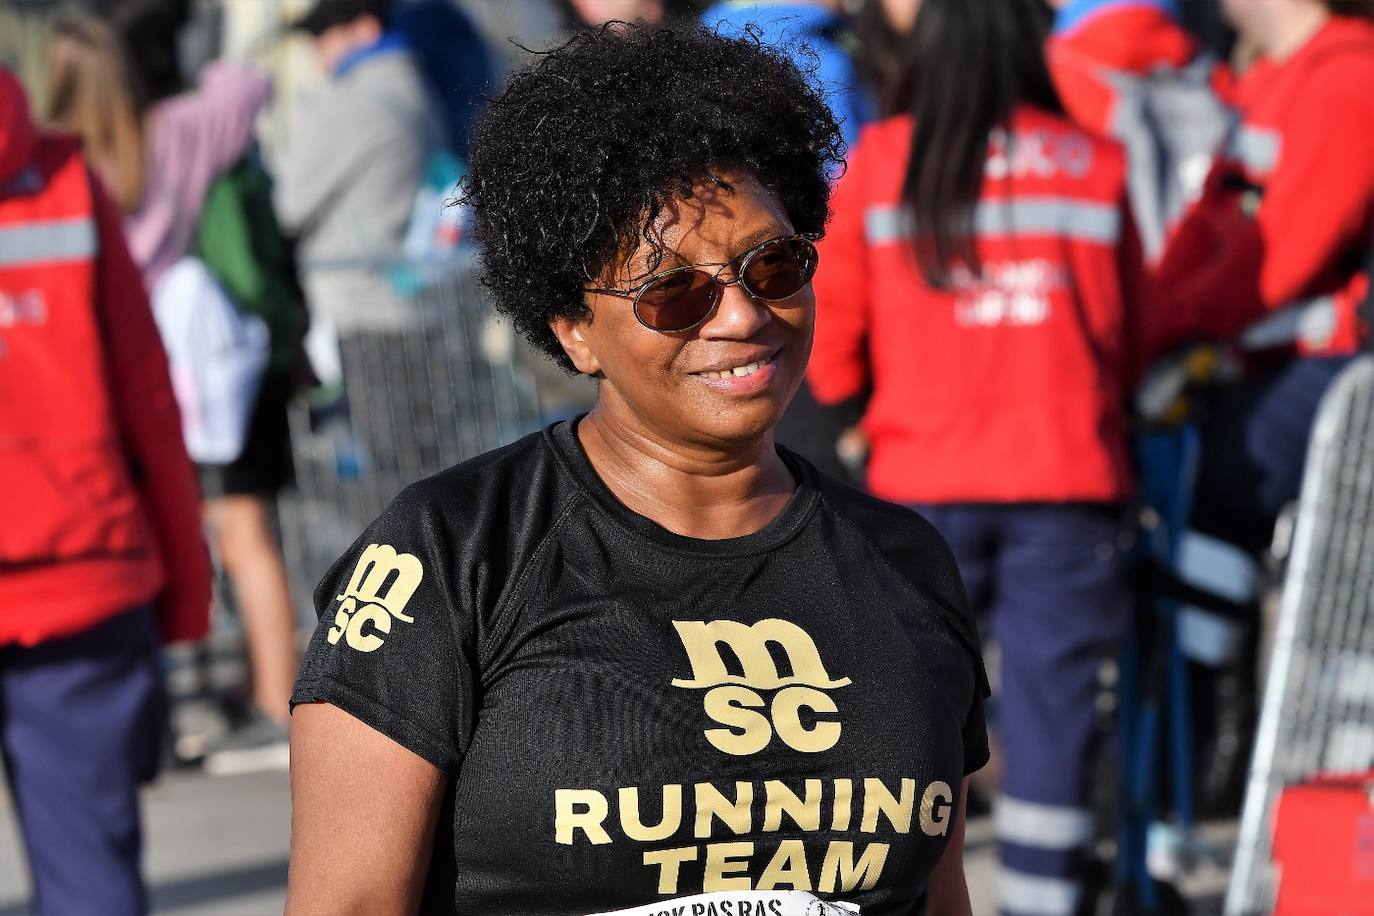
(381, 587)
(737, 701)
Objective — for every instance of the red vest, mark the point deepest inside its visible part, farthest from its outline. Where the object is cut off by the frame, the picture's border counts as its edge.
(67, 498)
(1011, 389)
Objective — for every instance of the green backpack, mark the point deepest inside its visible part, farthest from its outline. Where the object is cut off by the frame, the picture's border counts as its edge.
(240, 242)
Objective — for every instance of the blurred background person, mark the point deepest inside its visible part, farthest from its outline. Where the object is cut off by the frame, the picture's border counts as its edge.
(355, 158)
(1275, 252)
(1128, 69)
(881, 28)
(1094, 40)
(117, 83)
(1272, 260)
(580, 13)
(810, 31)
(454, 60)
(102, 555)
(348, 172)
(981, 274)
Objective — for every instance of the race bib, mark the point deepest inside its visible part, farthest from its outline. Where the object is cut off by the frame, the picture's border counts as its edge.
(742, 903)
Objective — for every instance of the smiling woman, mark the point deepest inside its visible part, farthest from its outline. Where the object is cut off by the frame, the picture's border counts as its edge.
(645, 656)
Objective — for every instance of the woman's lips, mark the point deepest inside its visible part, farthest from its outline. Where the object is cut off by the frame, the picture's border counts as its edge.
(745, 379)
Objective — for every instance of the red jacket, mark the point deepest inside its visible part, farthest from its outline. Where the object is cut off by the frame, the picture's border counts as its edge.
(99, 498)
(1306, 148)
(1011, 390)
(1135, 40)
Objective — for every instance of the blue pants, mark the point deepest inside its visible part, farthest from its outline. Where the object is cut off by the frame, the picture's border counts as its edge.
(81, 721)
(1254, 447)
(1048, 583)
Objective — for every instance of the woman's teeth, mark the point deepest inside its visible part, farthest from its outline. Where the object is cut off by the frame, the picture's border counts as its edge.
(737, 372)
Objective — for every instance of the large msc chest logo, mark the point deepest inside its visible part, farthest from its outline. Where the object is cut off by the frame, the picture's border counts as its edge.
(772, 656)
(382, 585)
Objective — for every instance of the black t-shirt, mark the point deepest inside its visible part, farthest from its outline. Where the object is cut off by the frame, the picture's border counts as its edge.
(629, 716)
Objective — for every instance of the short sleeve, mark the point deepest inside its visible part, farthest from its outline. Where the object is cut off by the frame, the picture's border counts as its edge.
(976, 752)
(392, 647)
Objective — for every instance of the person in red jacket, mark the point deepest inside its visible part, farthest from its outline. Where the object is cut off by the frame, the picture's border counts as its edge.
(101, 554)
(981, 274)
(1095, 38)
(1127, 69)
(1274, 252)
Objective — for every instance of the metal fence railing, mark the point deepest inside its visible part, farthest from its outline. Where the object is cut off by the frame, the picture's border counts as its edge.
(1318, 710)
(443, 387)
(438, 383)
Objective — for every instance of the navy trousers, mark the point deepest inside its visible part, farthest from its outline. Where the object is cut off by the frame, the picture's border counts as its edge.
(1254, 449)
(1048, 582)
(81, 722)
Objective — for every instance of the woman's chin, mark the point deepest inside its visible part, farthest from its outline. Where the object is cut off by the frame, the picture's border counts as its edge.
(741, 423)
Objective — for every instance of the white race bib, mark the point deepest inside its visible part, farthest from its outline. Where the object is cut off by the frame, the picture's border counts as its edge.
(742, 903)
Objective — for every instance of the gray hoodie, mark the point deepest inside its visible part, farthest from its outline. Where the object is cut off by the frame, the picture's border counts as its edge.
(347, 178)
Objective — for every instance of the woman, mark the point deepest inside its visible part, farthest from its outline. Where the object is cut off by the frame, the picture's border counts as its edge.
(644, 656)
(998, 341)
(118, 85)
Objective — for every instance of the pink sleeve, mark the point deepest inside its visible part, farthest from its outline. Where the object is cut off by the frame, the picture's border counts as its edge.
(217, 119)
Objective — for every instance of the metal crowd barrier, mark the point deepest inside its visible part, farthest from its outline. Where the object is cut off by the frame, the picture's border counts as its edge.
(1318, 709)
(443, 387)
(439, 383)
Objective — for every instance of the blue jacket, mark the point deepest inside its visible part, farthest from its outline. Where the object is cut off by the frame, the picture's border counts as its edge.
(1075, 12)
(789, 26)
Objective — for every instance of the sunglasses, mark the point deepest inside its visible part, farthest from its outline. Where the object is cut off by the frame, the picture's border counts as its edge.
(678, 300)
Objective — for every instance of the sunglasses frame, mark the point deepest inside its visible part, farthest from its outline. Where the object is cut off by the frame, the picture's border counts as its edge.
(718, 286)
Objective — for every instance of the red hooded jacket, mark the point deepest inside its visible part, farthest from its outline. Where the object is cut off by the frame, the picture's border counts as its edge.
(1009, 389)
(99, 498)
(1134, 40)
(1288, 213)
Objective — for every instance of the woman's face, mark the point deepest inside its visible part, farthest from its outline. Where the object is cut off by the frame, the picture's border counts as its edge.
(670, 383)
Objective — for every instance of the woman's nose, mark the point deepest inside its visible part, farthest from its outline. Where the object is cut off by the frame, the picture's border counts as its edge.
(738, 315)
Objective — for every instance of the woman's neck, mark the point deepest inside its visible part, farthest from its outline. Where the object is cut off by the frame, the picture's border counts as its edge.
(690, 489)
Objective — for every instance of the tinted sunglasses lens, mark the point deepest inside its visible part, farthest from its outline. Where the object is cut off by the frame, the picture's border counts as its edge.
(780, 269)
(677, 301)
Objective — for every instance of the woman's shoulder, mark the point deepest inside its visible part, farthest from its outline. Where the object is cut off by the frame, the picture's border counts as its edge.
(517, 488)
(901, 534)
(912, 549)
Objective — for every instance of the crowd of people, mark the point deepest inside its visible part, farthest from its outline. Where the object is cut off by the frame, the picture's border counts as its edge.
(1011, 214)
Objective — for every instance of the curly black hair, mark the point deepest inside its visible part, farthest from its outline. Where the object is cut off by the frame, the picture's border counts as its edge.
(571, 164)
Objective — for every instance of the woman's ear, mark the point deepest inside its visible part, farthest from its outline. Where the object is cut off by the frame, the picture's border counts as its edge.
(572, 334)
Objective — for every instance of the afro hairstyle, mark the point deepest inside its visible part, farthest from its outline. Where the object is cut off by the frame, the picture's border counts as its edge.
(573, 162)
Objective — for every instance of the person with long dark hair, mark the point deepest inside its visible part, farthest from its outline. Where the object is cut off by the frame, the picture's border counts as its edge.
(645, 660)
(982, 274)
